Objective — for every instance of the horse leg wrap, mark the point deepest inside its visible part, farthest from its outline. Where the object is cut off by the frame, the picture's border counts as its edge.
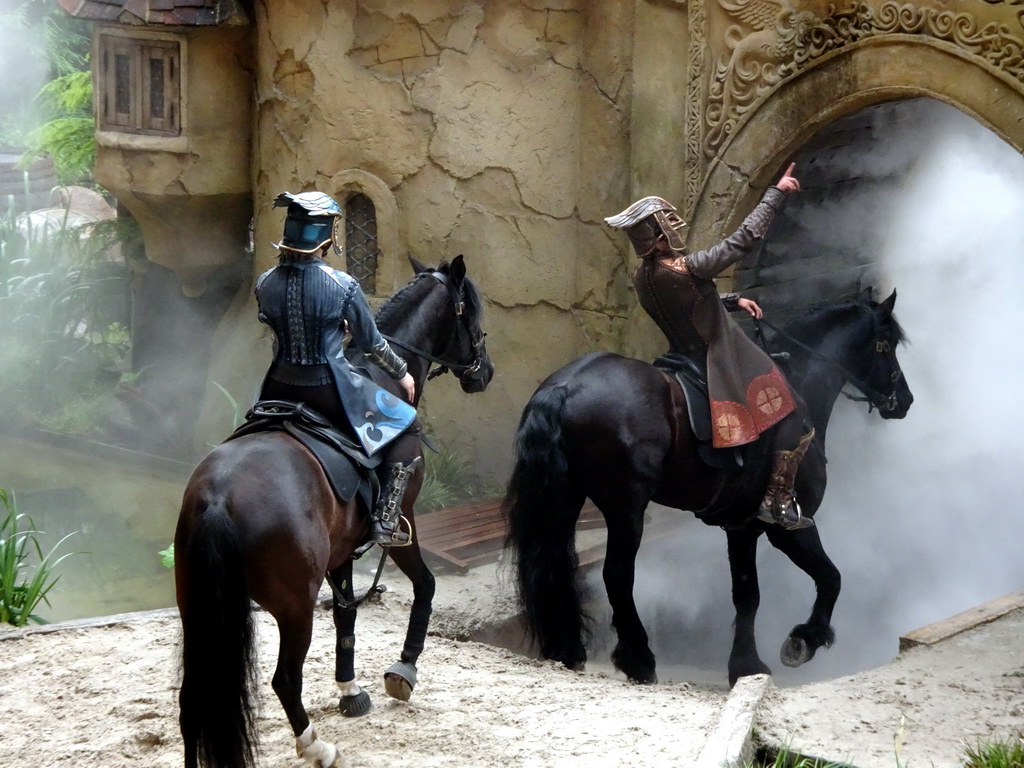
(317, 753)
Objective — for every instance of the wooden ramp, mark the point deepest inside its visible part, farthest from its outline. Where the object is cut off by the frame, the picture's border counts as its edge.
(474, 534)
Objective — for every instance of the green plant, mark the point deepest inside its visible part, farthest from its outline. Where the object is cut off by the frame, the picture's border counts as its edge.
(785, 758)
(167, 556)
(24, 585)
(68, 137)
(65, 342)
(43, 43)
(448, 480)
(1008, 753)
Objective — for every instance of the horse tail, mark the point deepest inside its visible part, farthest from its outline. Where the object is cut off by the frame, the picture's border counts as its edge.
(218, 652)
(542, 509)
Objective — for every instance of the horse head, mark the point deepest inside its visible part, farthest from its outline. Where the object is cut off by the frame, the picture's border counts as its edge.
(851, 342)
(885, 376)
(457, 341)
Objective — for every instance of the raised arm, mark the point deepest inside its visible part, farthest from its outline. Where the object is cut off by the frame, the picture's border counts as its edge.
(710, 262)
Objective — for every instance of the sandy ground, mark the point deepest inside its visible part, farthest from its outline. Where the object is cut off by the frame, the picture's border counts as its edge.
(106, 696)
(924, 707)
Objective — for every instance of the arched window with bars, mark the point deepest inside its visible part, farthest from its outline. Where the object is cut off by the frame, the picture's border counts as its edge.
(361, 249)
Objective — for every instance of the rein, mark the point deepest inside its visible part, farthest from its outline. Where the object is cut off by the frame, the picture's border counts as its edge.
(459, 370)
(376, 588)
(873, 397)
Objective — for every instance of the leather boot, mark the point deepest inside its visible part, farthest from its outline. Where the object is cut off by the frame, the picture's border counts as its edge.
(386, 522)
(779, 505)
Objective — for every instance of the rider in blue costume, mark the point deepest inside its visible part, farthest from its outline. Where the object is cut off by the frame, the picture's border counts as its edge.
(310, 306)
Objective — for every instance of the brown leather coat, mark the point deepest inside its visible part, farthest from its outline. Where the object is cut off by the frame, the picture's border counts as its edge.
(748, 392)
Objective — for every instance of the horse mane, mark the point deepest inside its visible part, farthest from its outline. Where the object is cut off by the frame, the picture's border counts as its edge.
(386, 315)
(815, 320)
(397, 301)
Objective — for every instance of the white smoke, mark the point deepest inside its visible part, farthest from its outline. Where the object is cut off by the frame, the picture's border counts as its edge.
(23, 69)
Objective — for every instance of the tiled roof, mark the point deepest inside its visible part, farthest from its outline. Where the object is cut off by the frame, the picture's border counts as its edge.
(175, 13)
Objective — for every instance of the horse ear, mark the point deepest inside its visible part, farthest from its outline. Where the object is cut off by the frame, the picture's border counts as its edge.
(867, 294)
(417, 265)
(458, 272)
(887, 305)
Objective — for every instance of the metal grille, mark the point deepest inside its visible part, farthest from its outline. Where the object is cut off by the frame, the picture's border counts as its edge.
(361, 241)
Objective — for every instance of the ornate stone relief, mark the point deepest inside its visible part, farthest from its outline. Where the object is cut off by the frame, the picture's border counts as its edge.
(767, 41)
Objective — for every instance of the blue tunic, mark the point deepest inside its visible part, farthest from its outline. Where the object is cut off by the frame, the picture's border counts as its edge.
(307, 303)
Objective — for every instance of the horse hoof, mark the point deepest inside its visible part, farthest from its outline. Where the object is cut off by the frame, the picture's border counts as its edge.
(355, 706)
(795, 652)
(646, 679)
(399, 680)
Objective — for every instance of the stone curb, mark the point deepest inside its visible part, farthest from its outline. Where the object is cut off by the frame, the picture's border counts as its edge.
(91, 623)
(731, 744)
(961, 622)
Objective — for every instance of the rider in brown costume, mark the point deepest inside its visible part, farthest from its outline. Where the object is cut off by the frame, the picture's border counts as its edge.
(748, 392)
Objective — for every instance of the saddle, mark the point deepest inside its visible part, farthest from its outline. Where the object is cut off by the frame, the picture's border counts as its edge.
(692, 377)
(347, 467)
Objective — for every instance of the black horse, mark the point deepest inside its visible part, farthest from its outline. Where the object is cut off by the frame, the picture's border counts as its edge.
(260, 521)
(617, 430)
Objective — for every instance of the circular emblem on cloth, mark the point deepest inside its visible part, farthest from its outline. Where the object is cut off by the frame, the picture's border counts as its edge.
(730, 428)
(769, 400)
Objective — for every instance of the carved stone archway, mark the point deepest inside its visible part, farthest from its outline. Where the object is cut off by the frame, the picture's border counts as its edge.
(813, 71)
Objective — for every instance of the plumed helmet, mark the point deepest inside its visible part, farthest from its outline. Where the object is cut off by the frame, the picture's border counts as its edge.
(648, 219)
(310, 221)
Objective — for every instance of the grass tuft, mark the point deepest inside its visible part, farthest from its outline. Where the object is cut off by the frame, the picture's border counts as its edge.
(1000, 754)
(24, 585)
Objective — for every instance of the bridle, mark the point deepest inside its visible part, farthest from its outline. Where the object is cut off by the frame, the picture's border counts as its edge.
(466, 374)
(883, 346)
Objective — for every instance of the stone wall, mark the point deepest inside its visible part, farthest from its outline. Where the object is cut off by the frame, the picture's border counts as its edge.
(497, 130)
(505, 130)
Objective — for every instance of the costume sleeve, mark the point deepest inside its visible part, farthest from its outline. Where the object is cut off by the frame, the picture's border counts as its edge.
(731, 301)
(709, 263)
(366, 337)
(256, 292)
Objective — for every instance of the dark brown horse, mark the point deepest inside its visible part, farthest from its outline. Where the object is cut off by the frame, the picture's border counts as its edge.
(617, 430)
(260, 522)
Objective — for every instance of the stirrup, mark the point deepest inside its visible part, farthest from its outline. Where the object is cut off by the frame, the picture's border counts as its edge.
(789, 516)
(398, 536)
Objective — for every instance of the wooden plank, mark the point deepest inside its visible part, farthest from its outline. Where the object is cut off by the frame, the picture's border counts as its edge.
(460, 538)
(954, 625)
(442, 533)
(474, 533)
